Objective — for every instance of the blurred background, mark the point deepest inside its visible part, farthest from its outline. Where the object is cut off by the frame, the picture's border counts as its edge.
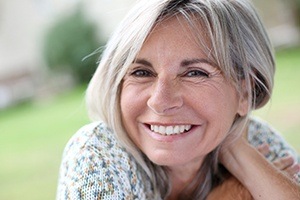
(49, 50)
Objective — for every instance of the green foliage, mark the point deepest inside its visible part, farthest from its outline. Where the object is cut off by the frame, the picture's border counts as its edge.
(32, 138)
(68, 42)
(297, 11)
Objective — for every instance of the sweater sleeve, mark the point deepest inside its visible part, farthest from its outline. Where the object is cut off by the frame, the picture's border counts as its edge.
(95, 167)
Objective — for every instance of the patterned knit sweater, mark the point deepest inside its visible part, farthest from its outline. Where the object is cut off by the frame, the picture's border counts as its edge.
(95, 166)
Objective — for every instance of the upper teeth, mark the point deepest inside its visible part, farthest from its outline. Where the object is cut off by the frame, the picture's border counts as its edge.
(170, 130)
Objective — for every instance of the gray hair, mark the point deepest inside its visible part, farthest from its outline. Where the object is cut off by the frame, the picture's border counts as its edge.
(235, 41)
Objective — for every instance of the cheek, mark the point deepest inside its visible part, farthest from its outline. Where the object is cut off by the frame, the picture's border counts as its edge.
(127, 114)
(132, 105)
(126, 103)
(219, 107)
(132, 94)
(127, 106)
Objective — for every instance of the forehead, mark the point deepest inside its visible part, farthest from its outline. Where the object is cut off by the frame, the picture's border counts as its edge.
(190, 27)
(177, 34)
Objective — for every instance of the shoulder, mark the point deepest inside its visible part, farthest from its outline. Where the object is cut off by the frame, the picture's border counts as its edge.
(96, 166)
(95, 137)
(260, 132)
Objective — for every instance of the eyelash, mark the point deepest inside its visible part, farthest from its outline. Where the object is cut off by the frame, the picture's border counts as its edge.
(197, 73)
(141, 73)
(191, 73)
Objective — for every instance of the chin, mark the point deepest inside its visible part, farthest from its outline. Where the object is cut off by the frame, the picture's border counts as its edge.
(169, 159)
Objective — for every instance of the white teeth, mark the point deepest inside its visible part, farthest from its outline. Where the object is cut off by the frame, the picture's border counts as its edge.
(162, 129)
(188, 127)
(170, 130)
(176, 130)
(181, 128)
(156, 128)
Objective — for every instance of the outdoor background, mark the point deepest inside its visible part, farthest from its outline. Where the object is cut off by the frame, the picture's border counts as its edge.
(48, 52)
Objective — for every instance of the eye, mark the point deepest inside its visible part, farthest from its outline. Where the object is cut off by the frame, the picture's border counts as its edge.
(197, 73)
(141, 73)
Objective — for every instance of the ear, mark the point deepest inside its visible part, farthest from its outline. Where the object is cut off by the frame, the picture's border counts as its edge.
(243, 107)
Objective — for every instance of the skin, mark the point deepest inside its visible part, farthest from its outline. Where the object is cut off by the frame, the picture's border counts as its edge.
(232, 188)
(261, 178)
(172, 82)
(286, 164)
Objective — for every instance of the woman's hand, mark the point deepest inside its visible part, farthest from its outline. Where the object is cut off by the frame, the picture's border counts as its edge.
(231, 188)
(286, 164)
(258, 175)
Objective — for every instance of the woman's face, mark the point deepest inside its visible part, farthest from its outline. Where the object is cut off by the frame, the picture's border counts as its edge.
(176, 106)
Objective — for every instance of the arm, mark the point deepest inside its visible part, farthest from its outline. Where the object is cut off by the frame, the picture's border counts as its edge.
(258, 175)
(287, 164)
(273, 147)
(231, 188)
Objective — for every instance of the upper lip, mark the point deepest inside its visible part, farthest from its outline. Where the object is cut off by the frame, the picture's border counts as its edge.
(168, 124)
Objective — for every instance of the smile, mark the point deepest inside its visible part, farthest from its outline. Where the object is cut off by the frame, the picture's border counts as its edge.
(170, 130)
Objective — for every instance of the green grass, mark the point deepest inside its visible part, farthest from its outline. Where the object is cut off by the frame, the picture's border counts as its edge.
(33, 135)
(32, 138)
(284, 108)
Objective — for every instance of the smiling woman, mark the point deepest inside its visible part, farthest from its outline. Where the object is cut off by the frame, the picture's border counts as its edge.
(172, 98)
(176, 84)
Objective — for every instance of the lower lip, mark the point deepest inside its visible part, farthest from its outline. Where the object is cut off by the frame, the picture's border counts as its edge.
(168, 138)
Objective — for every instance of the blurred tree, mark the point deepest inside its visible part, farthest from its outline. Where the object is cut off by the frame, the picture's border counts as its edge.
(297, 11)
(71, 44)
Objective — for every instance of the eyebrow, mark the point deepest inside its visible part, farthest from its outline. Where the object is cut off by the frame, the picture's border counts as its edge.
(188, 62)
(183, 63)
(143, 62)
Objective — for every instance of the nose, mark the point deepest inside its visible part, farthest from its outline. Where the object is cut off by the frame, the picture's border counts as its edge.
(165, 98)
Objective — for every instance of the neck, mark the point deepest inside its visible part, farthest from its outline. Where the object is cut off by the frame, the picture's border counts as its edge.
(181, 177)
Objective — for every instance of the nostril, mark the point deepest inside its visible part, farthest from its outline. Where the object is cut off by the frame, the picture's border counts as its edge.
(165, 103)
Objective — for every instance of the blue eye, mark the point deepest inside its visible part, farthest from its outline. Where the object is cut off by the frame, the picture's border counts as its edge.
(141, 73)
(197, 73)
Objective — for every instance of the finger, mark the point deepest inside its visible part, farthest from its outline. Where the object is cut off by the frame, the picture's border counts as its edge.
(264, 149)
(292, 170)
(284, 163)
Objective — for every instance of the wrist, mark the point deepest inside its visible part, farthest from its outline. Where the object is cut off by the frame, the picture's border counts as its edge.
(239, 159)
(258, 175)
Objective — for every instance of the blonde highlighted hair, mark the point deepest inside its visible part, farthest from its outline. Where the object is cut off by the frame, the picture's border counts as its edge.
(236, 41)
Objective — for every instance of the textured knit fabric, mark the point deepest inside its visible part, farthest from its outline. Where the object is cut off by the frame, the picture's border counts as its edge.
(260, 132)
(95, 166)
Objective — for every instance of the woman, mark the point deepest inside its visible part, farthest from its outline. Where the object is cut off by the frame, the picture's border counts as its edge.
(174, 92)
